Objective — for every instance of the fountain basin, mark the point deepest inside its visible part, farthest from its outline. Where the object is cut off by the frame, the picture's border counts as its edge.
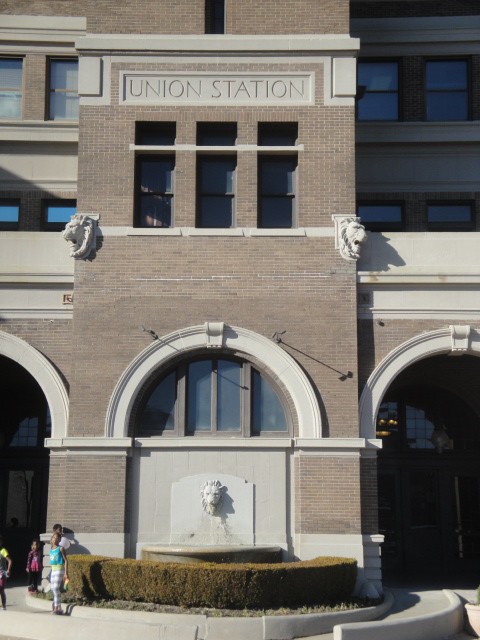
(214, 553)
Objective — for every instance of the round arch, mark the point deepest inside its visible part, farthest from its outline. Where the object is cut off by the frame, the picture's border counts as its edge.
(161, 351)
(417, 348)
(45, 374)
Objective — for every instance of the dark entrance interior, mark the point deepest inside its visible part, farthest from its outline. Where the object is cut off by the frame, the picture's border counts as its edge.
(24, 460)
(429, 471)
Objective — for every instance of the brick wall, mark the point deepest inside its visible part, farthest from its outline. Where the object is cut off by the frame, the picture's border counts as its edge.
(88, 493)
(327, 490)
(188, 16)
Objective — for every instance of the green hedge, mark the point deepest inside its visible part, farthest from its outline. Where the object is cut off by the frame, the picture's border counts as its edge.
(221, 586)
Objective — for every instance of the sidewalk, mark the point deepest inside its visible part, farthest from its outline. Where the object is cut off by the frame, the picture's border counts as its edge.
(29, 619)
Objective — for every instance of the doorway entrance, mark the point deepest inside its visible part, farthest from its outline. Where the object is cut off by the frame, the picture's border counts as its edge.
(24, 460)
(429, 478)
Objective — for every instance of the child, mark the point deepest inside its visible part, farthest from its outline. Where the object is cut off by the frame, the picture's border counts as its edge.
(5, 568)
(34, 566)
(64, 542)
(59, 567)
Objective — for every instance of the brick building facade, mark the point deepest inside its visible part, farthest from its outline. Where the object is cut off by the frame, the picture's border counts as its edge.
(208, 332)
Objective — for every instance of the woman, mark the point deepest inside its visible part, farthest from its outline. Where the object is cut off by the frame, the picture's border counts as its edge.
(59, 571)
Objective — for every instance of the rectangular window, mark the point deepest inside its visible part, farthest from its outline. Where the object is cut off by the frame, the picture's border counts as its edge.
(217, 134)
(155, 133)
(216, 191)
(56, 213)
(155, 178)
(277, 134)
(450, 216)
(447, 90)
(381, 216)
(63, 89)
(214, 16)
(276, 186)
(11, 88)
(378, 91)
(9, 212)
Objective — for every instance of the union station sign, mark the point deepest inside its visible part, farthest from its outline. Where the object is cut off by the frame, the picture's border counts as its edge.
(217, 89)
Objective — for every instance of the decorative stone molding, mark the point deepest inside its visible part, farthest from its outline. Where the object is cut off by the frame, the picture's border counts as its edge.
(45, 374)
(80, 234)
(212, 494)
(214, 334)
(417, 348)
(460, 339)
(184, 341)
(349, 236)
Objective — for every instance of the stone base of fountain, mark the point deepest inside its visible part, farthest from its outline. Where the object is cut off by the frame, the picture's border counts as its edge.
(217, 553)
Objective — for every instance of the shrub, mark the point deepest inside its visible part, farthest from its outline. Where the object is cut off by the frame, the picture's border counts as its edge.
(222, 586)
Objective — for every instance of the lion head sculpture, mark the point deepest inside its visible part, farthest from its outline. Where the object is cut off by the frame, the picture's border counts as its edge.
(212, 493)
(80, 233)
(352, 235)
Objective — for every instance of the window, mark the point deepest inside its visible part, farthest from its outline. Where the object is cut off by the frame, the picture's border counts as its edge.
(155, 133)
(216, 176)
(450, 216)
(277, 175)
(219, 134)
(447, 90)
(155, 175)
(9, 212)
(10, 88)
(214, 16)
(209, 396)
(56, 213)
(63, 90)
(378, 81)
(381, 216)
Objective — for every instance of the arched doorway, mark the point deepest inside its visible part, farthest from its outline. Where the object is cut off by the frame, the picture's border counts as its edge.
(24, 425)
(428, 469)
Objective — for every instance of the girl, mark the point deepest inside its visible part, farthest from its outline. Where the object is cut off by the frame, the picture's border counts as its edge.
(5, 568)
(34, 566)
(59, 567)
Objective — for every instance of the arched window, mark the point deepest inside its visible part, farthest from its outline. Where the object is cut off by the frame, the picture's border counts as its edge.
(211, 396)
(427, 417)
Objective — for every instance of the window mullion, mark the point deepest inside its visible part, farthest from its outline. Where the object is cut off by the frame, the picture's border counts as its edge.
(214, 396)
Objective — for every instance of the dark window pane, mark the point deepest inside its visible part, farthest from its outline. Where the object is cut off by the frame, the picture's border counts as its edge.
(447, 75)
(216, 212)
(155, 133)
(447, 90)
(216, 134)
(445, 106)
(217, 176)
(228, 395)
(199, 401)
(156, 176)
(276, 213)
(378, 76)
(156, 211)
(454, 213)
(277, 177)
(214, 16)
(267, 411)
(159, 412)
(277, 134)
(378, 106)
(380, 213)
(379, 81)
